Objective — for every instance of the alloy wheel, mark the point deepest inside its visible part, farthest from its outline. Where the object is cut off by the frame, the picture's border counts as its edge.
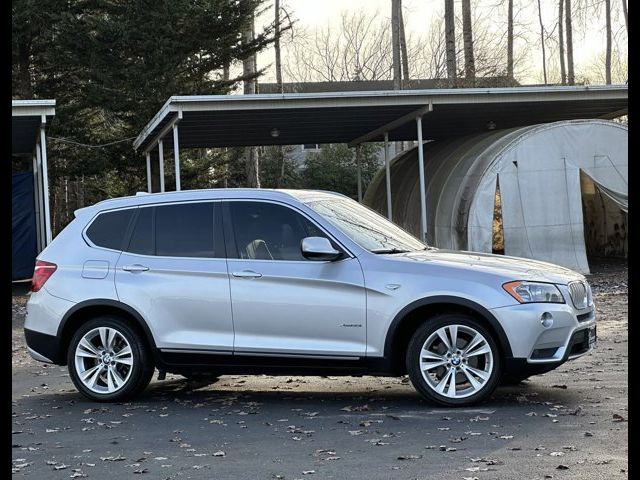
(104, 360)
(456, 361)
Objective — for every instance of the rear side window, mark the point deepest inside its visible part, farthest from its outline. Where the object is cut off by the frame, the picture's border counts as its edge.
(108, 229)
(184, 230)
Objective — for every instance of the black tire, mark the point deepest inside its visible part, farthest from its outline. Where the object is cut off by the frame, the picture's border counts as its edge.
(141, 370)
(414, 352)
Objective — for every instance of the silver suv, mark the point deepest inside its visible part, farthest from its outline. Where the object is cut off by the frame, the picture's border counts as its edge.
(203, 283)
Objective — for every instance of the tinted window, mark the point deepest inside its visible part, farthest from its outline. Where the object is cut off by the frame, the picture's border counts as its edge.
(185, 230)
(142, 237)
(266, 231)
(108, 229)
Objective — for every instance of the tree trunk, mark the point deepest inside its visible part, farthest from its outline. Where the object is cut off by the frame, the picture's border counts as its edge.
(249, 69)
(563, 72)
(544, 54)
(26, 89)
(276, 46)
(626, 15)
(395, 43)
(395, 46)
(571, 78)
(450, 39)
(225, 72)
(607, 61)
(467, 37)
(403, 45)
(510, 40)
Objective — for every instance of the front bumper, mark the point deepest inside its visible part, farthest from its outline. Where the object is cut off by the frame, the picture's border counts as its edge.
(564, 338)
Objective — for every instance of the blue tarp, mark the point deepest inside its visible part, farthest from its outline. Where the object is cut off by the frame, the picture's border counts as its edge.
(23, 226)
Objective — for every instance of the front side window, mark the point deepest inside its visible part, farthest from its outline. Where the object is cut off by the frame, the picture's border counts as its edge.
(182, 230)
(365, 227)
(267, 231)
(108, 229)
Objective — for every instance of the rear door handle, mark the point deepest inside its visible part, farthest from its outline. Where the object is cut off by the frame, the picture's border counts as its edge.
(246, 274)
(135, 268)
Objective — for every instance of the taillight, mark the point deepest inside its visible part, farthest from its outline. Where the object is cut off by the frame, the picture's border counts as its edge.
(41, 274)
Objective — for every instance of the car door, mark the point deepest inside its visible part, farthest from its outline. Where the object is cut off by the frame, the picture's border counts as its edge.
(283, 303)
(174, 272)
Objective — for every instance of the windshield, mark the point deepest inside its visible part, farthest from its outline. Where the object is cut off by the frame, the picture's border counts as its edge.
(366, 227)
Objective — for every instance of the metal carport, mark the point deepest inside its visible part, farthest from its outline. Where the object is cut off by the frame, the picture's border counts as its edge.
(355, 117)
(29, 119)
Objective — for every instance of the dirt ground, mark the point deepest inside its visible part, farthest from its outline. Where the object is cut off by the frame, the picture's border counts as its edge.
(567, 424)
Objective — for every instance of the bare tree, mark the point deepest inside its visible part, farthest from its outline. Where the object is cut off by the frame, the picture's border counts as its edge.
(360, 50)
(450, 38)
(544, 55)
(395, 41)
(403, 45)
(626, 15)
(563, 73)
(248, 71)
(607, 7)
(276, 46)
(571, 78)
(467, 36)
(510, 39)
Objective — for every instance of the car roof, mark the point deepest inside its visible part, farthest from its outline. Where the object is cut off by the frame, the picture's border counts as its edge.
(143, 198)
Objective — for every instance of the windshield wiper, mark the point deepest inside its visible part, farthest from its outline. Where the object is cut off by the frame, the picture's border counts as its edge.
(389, 250)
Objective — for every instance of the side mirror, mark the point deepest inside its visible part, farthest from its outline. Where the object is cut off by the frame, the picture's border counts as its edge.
(319, 248)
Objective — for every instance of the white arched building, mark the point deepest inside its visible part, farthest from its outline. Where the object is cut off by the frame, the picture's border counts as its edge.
(562, 190)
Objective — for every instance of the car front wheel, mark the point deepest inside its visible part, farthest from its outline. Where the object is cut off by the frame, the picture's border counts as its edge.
(108, 360)
(453, 360)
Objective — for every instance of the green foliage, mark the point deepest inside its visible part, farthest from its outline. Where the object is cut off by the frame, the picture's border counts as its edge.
(334, 168)
(110, 65)
(272, 173)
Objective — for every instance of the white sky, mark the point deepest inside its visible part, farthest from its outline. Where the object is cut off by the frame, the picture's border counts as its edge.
(418, 14)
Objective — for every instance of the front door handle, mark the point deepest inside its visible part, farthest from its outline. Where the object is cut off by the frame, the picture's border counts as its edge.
(246, 274)
(135, 268)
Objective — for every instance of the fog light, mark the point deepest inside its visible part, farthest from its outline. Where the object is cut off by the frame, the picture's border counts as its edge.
(546, 319)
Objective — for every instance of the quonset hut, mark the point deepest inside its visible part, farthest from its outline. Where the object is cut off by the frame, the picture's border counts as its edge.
(555, 192)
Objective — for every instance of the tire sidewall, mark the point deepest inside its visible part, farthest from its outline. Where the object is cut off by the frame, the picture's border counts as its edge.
(140, 374)
(413, 359)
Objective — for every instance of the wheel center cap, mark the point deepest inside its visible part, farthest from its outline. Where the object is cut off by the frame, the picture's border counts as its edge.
(455, 360)
(106, 358)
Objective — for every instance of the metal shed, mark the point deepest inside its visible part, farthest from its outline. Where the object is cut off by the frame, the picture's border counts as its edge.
(29, 119)
(355, 117)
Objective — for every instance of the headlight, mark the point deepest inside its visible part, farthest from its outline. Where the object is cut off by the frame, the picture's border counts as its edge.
(533, 292)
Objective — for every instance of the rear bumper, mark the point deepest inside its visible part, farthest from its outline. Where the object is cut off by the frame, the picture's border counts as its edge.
(43, 347)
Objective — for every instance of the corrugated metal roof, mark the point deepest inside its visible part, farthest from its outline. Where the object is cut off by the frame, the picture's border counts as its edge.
(340, 117)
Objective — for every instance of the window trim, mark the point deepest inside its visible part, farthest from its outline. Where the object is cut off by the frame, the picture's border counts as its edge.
(134, 218)
(230, 239)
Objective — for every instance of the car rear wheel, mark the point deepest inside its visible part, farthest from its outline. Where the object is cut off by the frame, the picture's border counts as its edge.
(453, 360)
(108, 360)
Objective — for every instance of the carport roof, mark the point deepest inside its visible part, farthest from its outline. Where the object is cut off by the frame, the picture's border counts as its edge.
(26, 118)
(207, 121)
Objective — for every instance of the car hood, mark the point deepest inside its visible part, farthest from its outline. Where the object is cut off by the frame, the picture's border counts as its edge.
(512, 268)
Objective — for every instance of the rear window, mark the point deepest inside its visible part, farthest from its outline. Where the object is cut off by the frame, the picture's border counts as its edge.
(108, 229)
